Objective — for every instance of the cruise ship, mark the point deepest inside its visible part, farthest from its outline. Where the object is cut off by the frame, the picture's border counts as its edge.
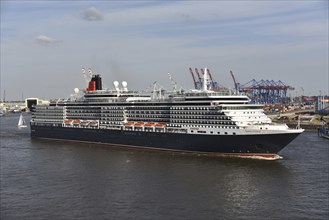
(202, 121)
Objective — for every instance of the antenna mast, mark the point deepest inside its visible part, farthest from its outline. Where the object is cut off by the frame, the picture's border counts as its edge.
(205, 80)
(173, 83)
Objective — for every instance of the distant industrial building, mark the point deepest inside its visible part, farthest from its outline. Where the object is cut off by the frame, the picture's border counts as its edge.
(30, 103)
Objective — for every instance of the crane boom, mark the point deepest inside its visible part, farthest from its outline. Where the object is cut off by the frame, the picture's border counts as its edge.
(210, 75)
(197, 72)
(235, 84)
(195, 83)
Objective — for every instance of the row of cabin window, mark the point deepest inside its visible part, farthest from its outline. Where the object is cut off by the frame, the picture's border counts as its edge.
(203, 122)
(147, 108)
(149, 112)
(52, 108)
(112, 115)
(59, 121)
(114, 120)
(211, 132)
(198, 113)
(149, 115)
(200, 117)
(112, 123)
(49, 116)
(48, 113)
(83, 116)
(110, 108)
(48, 124)
(255, 107)
(82, 111)
(192, 108)
(149, 120)
(83, 108)
(112, 112)
(214, 126)
(249, 112)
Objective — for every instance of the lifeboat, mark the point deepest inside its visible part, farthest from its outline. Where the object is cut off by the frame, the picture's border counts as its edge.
(139, 124)
(68, 121)
(76, 122)
(129, 123)
(159, 125)
(84, 123)
(149, 124)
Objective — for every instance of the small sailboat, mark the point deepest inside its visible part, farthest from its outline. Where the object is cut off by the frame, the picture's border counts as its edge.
(21, 122)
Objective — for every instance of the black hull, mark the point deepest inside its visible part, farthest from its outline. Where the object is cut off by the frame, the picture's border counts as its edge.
(243, 145)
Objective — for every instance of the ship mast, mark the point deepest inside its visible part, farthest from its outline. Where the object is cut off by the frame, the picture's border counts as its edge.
(205, 80)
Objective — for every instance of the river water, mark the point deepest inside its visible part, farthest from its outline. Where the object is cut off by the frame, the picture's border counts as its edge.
(42, 179)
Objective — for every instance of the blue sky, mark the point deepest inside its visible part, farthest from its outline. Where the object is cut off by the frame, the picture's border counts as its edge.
(44, 44)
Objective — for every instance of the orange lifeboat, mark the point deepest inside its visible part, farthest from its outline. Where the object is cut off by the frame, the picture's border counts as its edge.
(68, 121)
(159, 125)
(139, 124)
(76, 122)
(129, 123)
(149, 124)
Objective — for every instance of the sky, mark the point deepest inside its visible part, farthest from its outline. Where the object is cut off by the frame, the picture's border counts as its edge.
(44, 44)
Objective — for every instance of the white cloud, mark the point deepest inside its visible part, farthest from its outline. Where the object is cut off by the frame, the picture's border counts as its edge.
(92, 14)
(45, 40)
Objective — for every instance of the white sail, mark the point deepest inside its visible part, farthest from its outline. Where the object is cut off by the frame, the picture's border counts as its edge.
(21, 122)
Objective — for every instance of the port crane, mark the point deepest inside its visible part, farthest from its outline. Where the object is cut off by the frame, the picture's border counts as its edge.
(212, 85)
(263, 91)
(234, 81)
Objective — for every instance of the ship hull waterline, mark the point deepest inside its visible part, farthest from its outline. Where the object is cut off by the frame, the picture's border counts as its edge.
(248, 146)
